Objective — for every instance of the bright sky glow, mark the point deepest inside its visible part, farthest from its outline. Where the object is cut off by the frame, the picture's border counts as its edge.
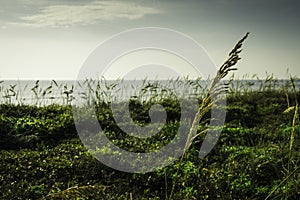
(152, 61)
(50, 39)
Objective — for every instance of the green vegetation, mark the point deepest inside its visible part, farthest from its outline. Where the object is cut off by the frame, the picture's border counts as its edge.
(41, 156)
(256, 157)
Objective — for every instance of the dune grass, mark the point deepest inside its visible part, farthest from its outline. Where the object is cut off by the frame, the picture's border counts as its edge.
(256, 157)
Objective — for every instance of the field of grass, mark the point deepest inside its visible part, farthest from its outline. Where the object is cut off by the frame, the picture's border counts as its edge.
(256, 157)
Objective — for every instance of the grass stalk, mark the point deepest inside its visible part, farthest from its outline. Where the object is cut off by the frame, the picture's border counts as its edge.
(294, 108)
(295, 116)
(209, 100)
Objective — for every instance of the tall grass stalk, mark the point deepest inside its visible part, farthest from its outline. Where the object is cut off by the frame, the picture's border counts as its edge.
(295, 117)
(294, 108)
(210, 99)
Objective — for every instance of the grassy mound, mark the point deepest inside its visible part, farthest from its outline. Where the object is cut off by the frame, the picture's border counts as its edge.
(42, 157)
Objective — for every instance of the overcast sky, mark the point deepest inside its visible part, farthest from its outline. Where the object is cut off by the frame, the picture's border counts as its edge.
(50, 39)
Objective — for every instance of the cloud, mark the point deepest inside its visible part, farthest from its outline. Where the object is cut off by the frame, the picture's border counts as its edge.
(85, 14)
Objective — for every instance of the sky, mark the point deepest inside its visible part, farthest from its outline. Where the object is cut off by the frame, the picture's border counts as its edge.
(51, 39)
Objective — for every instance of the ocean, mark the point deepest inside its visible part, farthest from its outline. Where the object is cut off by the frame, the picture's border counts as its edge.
(45, 92)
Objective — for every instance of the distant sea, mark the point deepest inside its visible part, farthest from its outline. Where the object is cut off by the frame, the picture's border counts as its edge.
(33, 92)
